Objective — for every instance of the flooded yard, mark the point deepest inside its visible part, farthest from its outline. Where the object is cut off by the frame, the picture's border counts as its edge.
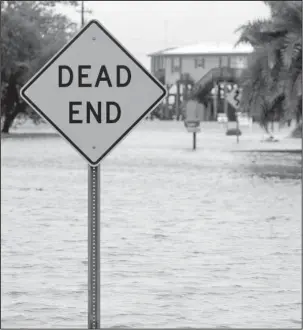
(205, 238)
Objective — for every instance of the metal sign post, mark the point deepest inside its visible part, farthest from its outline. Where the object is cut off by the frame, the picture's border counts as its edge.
(238, 128)
(193, 127)
(94, 247)
(193, 117)
(194, 140)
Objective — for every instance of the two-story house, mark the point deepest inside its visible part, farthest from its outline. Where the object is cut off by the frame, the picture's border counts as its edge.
(207, 65)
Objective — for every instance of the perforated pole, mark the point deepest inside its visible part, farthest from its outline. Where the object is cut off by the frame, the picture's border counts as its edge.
(94, 247)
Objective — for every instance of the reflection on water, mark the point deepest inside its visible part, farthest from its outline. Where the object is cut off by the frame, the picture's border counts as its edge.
(281, 164)
(29, 135)
(209, 238)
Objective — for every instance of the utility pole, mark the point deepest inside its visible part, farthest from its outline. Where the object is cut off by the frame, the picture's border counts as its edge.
(82, 12)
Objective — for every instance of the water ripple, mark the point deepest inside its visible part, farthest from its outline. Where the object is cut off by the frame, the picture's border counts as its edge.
(210, 238)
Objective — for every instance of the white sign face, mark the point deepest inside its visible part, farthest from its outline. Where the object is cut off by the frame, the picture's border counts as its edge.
(234, 97)
(193, 129)
(194, 111)
(93, 92)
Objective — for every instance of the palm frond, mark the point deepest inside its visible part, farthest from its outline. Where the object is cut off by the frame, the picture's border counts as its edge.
(272, 82)
(292, 50)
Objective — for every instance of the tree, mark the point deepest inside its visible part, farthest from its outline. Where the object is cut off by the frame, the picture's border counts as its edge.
(272, 83)
(31, 32)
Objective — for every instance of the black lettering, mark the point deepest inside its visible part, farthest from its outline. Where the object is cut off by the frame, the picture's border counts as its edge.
(90, 109)
(72, 112)
(113, 120)
(61, 68)
(82, 75)
(106, 78)
(119, 68)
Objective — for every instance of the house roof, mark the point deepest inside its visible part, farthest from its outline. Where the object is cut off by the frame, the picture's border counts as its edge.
(206, 48)
(160, 52)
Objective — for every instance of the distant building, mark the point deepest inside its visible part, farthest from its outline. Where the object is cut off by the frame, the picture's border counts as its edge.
(197, 60)
(206, 65)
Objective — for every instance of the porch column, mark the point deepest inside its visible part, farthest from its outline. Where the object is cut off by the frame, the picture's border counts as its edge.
(225, 102)
(215, 100)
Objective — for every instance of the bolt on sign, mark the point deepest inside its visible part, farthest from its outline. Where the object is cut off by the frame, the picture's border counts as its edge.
(93, 92)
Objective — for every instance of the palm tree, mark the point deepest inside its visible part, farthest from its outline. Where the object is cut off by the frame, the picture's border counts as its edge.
(272, 82)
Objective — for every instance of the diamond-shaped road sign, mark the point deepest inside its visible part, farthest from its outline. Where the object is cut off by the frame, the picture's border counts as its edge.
(234, 97)
(93, 92)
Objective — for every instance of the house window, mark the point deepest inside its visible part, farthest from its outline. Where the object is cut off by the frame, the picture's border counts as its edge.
(153, 67)
(242, 61)
(160, 62)
(224, 61)
(156, 63)
(175, 64)
(199, 62)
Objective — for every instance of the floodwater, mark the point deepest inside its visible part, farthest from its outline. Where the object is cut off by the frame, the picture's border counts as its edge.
(205, 238)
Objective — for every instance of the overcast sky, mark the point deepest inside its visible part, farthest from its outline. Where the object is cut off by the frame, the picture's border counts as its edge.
(148, 26)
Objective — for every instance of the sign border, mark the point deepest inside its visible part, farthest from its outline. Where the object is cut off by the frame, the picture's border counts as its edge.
(54, 58)
(233, 97)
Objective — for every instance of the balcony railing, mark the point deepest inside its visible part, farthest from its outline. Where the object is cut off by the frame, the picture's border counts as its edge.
(204, 84)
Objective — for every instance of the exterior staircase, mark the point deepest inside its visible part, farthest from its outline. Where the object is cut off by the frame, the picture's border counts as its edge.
(203, 86)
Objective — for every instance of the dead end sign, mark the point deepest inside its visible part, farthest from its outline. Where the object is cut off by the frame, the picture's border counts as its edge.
(93, 92)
